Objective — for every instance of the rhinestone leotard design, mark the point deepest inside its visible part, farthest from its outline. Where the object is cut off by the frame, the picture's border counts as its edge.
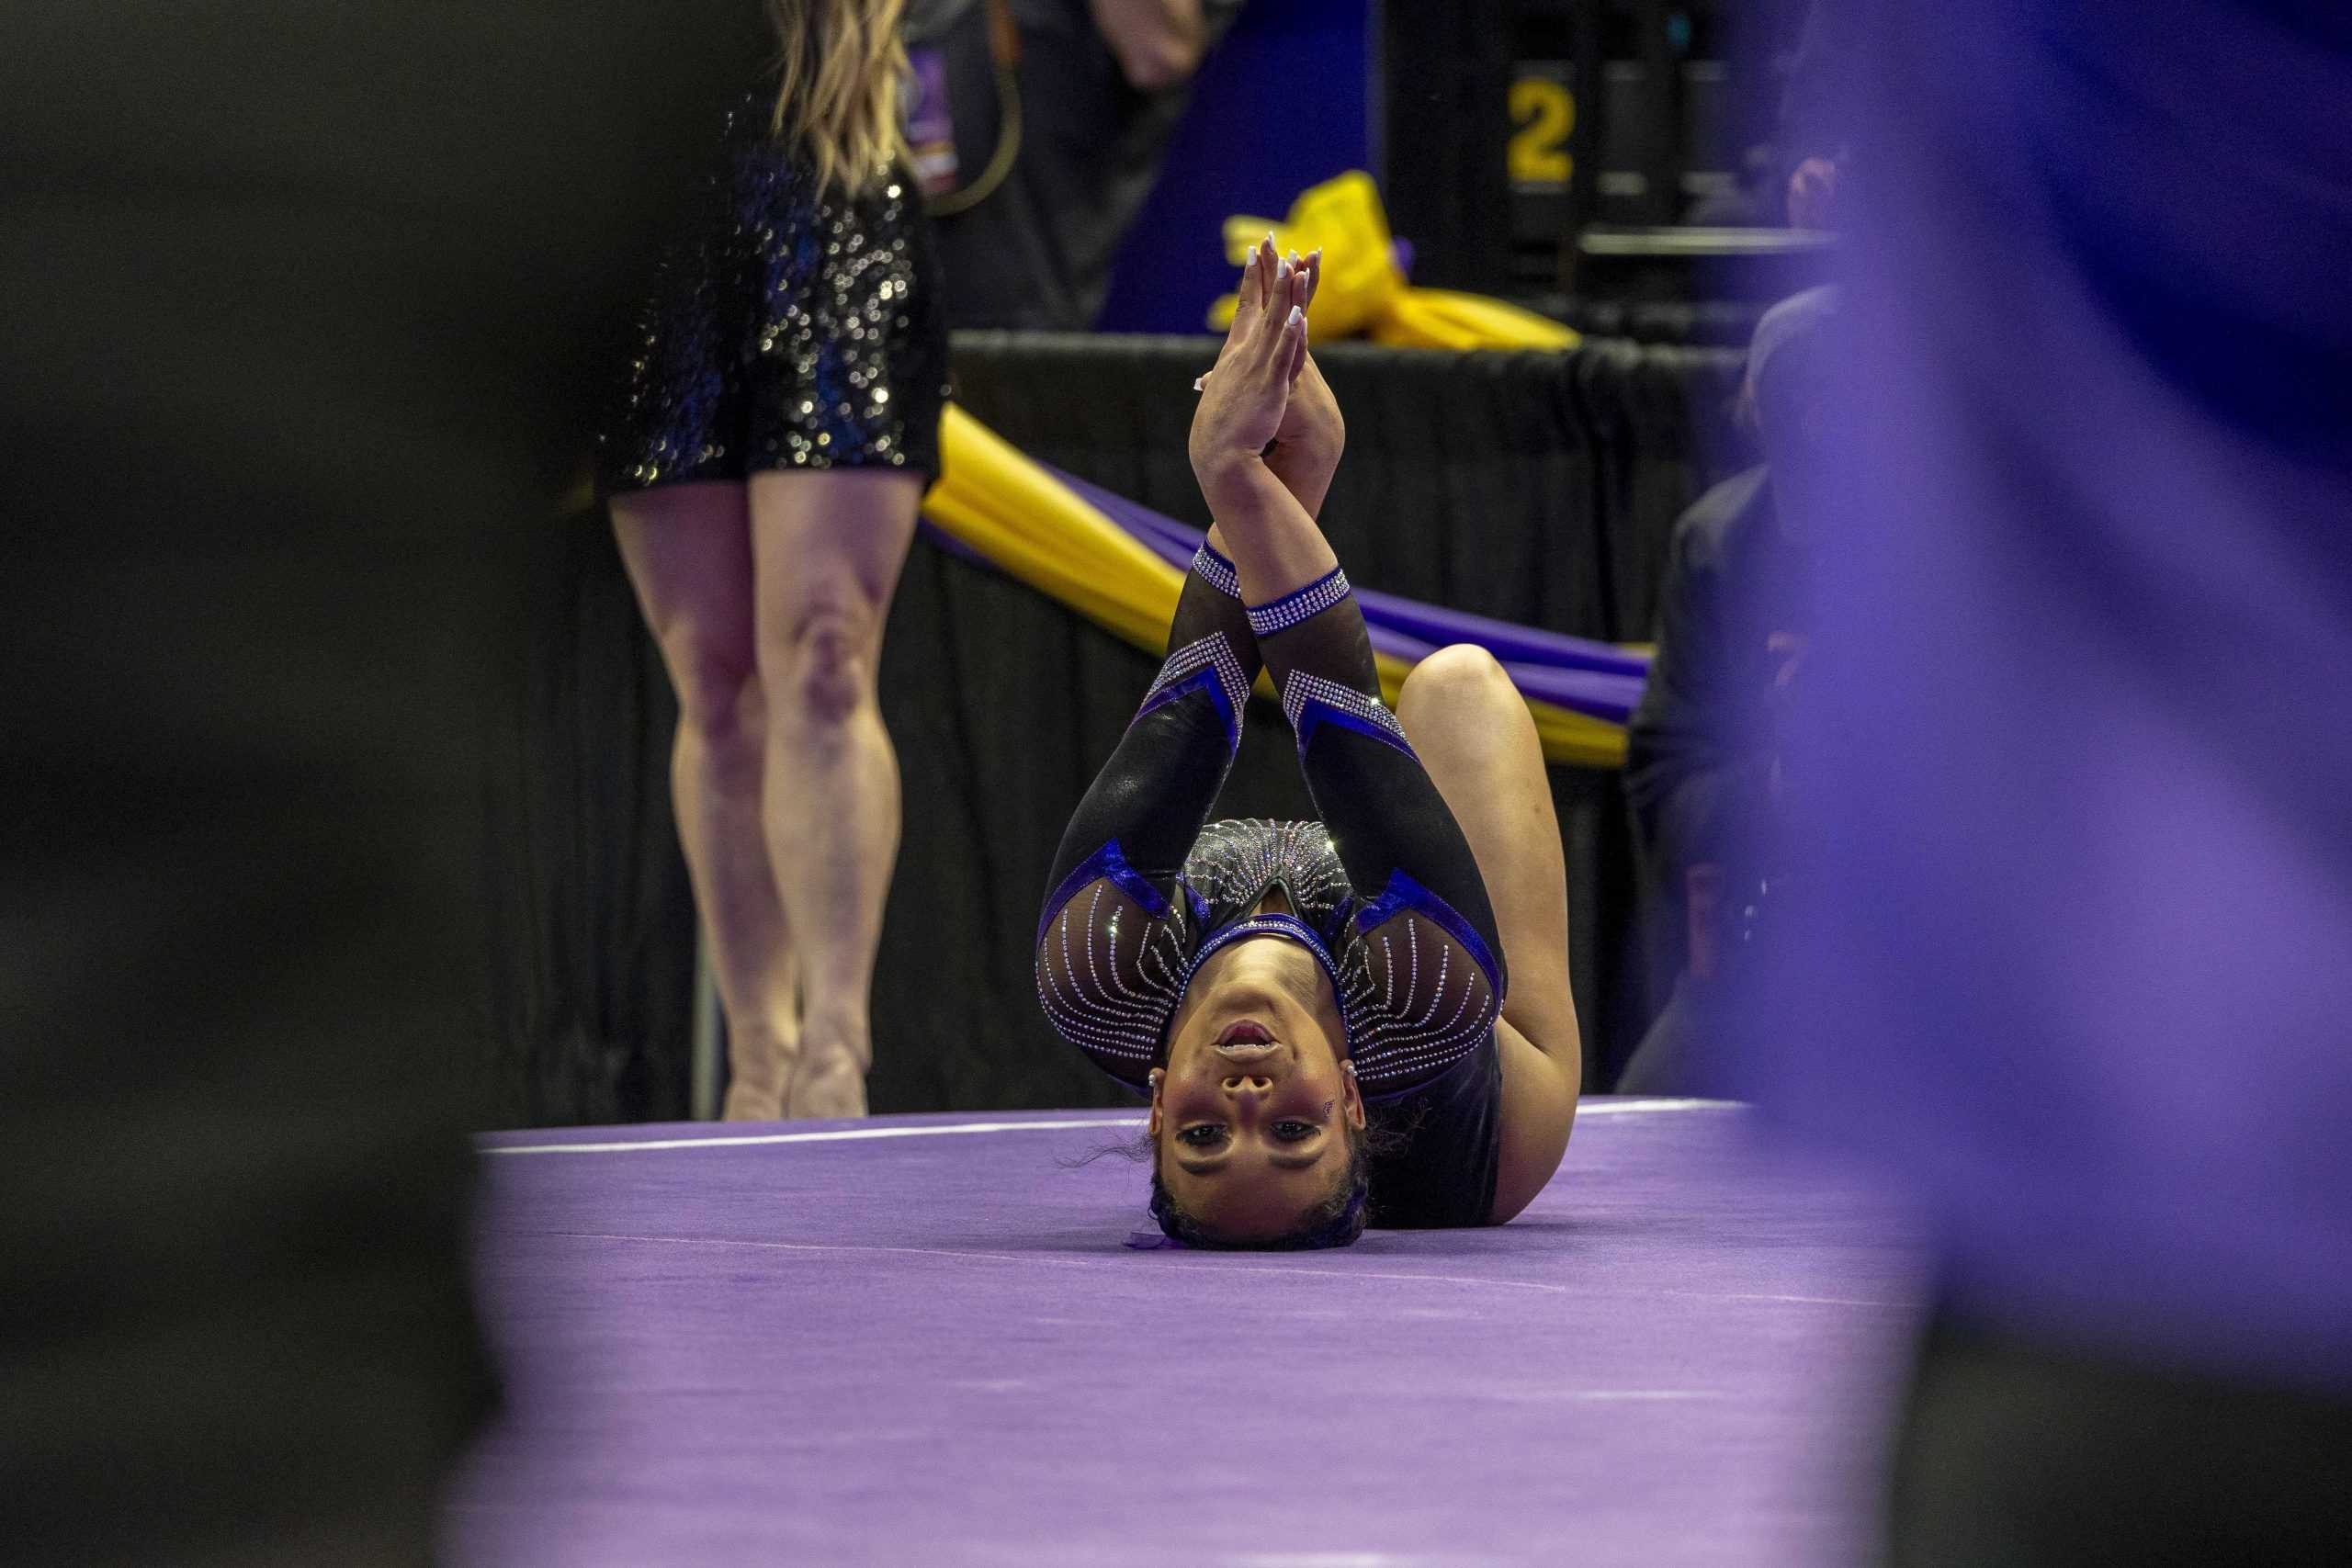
(1383, 891)
(789, 327)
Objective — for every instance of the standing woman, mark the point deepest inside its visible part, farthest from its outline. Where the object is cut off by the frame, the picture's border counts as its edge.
(780, 426)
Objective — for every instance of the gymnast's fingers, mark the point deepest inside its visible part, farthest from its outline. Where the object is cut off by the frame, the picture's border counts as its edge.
(1248, 303)
(1271, 324)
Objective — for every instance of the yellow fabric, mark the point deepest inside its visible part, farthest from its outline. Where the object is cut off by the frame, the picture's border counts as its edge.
(1036, 528)
(1363, 294)
(1027, 521)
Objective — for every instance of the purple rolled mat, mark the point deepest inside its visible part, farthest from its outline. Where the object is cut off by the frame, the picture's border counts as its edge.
(1597, 679)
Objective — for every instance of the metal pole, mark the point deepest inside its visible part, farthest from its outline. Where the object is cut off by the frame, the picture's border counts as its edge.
(708, 1082)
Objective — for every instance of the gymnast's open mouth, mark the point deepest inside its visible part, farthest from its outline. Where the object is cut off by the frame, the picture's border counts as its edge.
(1246, 1041)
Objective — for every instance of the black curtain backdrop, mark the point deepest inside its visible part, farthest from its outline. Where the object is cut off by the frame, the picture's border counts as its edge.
(1538, 488)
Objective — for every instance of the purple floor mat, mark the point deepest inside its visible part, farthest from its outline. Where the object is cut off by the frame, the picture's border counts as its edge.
(920, 1341)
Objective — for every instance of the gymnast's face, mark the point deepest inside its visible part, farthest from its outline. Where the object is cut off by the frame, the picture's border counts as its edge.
(1252, 1113)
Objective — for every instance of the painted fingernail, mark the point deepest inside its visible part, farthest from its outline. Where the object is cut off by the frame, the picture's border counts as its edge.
(1297, 317)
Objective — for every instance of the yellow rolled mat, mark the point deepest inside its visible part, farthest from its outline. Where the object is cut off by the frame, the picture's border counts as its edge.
(1018, 515)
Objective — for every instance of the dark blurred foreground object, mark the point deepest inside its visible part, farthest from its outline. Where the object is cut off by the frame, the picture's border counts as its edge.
(2016, 1454)
(299, 302)
(2072, 954)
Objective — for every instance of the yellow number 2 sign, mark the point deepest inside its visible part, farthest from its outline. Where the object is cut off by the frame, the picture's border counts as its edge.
(1543, 113)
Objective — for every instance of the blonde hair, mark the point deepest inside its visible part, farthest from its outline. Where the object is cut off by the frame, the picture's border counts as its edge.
(838, 92)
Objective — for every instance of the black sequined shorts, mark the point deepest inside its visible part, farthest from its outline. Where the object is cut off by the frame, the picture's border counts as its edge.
(789, 328)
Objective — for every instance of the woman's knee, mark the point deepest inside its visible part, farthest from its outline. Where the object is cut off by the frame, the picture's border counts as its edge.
(819, 661)
(712, 674)
(1455, 675)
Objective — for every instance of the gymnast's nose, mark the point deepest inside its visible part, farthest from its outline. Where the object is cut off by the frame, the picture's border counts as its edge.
(1248, 1085)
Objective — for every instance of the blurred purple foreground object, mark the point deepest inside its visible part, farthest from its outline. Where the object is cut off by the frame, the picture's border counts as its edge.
(2069, 946)
(922, 1340)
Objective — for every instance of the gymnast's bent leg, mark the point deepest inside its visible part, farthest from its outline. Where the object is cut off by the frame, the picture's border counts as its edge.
(1477, 742)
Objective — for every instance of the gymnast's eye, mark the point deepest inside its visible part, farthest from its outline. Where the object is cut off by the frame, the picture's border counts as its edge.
(1206, 1135)
(1294, 1131)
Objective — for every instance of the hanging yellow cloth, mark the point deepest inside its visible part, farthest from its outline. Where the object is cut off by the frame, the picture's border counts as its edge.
(1363, 294)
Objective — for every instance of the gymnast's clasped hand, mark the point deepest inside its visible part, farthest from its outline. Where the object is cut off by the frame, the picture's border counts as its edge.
(1275, 407)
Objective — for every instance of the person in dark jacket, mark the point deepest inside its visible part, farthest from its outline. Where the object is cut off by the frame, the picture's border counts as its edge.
(1038, 127)
(1703, 758)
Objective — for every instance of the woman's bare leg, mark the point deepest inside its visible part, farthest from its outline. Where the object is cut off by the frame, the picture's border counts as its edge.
(829, 546)
(688, 550)
(1476, 739)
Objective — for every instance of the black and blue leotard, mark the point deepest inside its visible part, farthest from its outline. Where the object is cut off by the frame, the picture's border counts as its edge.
(1383, 890)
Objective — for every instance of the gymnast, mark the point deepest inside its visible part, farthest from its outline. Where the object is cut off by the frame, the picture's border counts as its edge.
(1321, 1011)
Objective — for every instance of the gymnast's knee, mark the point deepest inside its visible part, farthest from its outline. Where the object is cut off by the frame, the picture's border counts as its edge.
(1459, 672)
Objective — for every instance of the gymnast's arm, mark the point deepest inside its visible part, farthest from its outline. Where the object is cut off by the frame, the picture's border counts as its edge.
(1109, 946)
(1392, 828)
(1399, 843)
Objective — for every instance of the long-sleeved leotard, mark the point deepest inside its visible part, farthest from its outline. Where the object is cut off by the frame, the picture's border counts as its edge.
(1385, 892)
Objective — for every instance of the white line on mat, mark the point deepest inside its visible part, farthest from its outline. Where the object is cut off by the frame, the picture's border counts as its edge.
(849, 1134)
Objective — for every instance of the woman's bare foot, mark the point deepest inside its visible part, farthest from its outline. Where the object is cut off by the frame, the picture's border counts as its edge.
(830, 1078)
(745, 1103)
(833, 1087)
(758, 1070)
